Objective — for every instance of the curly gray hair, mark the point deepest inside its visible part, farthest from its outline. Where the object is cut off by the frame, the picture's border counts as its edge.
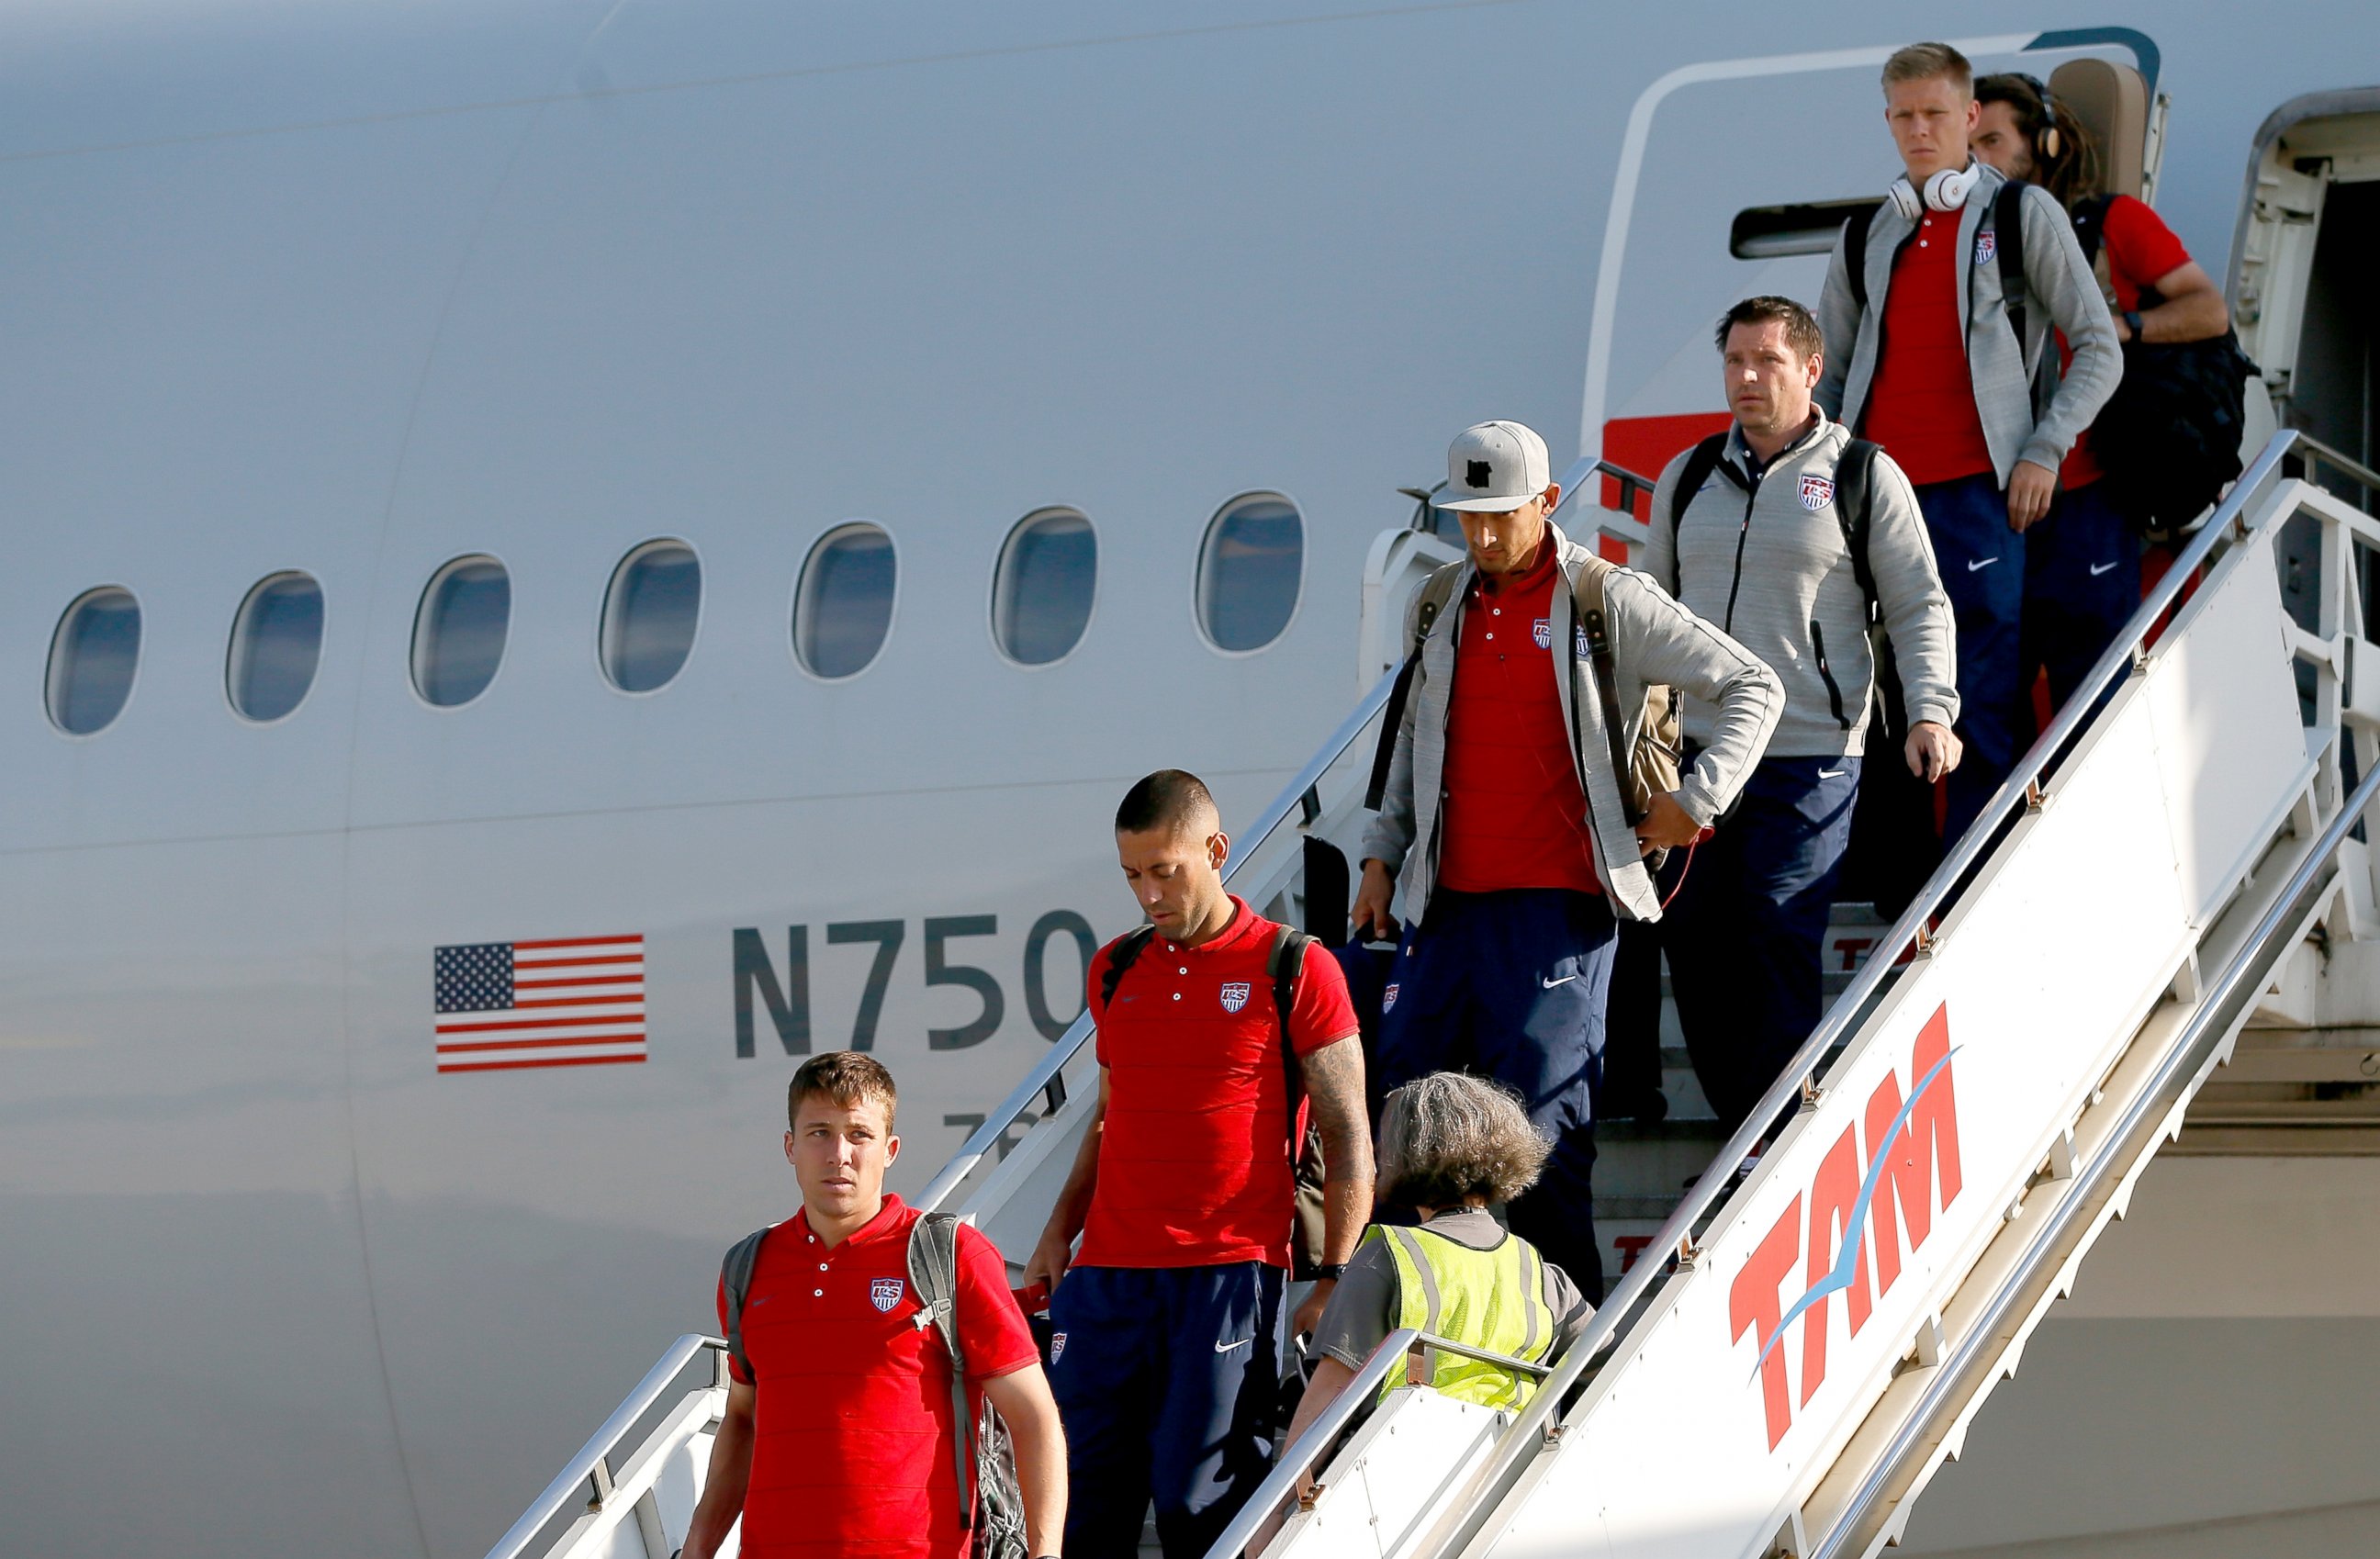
(1448, 1138)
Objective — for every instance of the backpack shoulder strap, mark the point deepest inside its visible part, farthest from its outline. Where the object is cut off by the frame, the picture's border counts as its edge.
(1284, 963)
(736, 1277)
(1855, 231)
(1698, 468)
(1436, 591)
(2008, 248)
(934, 1277)
(1854, 503)
(1127, 950)
(2090, 218)
(1588, 589)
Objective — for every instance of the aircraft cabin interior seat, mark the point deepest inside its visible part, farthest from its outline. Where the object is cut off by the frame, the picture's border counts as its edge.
(2112, 101)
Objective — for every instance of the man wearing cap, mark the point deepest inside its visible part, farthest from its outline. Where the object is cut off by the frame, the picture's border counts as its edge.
(1503, 816)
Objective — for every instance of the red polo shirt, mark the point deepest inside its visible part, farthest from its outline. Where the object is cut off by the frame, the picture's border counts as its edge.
(1516, 816)
(2139, 247)
(1921, 406)
(1196, 1165)
(851, 1443)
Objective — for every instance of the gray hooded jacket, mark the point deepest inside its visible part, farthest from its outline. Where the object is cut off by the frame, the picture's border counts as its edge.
(1765, 558)
(1654, 640)
(2028, 411)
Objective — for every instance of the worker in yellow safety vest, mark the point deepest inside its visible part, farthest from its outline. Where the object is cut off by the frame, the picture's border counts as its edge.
(1451, 1146)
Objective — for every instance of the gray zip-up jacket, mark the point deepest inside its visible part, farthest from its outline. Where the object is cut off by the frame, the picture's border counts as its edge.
(1763, 555)
(1654, 640)
(2028, 411)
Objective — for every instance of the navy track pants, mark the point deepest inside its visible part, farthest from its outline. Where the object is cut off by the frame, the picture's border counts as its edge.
(1745, 933)
(1166, 1380)
(1511, 985)
(2081, 584)
(1982, 566)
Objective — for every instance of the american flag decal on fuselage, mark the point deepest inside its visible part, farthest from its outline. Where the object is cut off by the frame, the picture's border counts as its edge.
(571, 1001)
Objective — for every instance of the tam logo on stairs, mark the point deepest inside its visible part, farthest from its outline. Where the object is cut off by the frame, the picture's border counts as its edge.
(1883, 1176)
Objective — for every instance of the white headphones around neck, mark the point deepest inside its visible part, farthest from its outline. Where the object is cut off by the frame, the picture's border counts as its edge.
(1945, 191)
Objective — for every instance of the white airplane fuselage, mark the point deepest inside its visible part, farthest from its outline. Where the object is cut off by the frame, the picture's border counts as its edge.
(358, 291)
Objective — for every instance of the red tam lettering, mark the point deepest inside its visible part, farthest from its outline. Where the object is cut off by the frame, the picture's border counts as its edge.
(1923, 1157)
(1832, 1196)
(1753, 1305)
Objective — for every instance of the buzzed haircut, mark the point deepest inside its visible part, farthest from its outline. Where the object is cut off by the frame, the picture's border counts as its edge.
(846, 1077)
(1173, 799)
(1802, 332)
(1927, 62)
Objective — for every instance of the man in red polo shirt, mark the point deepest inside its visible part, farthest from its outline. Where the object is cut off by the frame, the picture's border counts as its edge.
(2083, 562)
(1164, 1353)
(1922, 357)
(1504, 831)
(839, 1435)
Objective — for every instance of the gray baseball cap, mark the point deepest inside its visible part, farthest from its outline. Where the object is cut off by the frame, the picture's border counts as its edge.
(1493, 467)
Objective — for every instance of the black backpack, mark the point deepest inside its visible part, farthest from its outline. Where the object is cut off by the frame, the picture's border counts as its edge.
(1854, 507)
(1283, 960)
(2169, 439)
(986, 1457)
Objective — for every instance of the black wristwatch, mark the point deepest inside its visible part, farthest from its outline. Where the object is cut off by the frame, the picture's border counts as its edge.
(1333, 1272)
(2132, 324)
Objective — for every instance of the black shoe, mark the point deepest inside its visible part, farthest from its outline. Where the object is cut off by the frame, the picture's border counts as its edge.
(1647, 1105)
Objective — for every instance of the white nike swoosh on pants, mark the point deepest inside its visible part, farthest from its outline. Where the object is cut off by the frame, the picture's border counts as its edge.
(1984, 563)
(1563, 981)
(1226, 1348)
(2098, 569)
(1832, 773)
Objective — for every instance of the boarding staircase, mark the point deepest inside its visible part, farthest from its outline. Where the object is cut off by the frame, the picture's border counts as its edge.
(1794, 1351)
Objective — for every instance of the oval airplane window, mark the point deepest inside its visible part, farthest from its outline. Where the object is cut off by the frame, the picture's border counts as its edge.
(1041, 593)
(458, 631)
(842, 609)
(650, 615)
(1250, 568)
(276, 643)
(92, 656)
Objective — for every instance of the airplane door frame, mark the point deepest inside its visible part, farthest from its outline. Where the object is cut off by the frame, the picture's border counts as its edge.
(2146, 59)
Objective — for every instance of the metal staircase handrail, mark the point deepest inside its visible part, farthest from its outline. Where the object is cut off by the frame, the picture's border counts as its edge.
(1354, 1397)
(1529, 1430)
(1044, 1075)
(586, 1479)
(2218, 1009)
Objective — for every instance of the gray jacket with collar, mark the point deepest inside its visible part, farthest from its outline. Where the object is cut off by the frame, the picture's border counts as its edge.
(2029, 412)
(1654, 640)
(1765, 557)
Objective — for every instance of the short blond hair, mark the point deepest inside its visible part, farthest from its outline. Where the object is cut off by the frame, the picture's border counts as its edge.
(1928, 61)
(1448, 1138)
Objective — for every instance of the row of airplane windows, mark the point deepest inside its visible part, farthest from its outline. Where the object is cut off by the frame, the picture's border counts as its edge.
(1251, 567)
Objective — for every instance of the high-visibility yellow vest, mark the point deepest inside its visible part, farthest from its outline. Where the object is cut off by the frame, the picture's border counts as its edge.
(1493, 1300)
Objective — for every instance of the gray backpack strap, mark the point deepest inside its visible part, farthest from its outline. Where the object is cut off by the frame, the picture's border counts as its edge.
(934, 1277)
(736, 1277)
(1436, 591)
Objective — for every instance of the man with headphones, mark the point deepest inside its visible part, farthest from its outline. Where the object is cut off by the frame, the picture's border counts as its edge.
(1940, 347)
(2082, 563)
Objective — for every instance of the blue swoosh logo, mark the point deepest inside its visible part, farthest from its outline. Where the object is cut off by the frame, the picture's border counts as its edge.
(1847, 1263)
